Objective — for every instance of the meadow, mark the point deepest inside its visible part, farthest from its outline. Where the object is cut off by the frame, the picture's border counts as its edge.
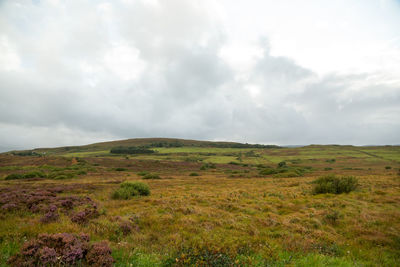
(208, 206)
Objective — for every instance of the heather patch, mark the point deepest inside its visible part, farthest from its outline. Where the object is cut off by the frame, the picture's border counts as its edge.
(62, 249)
(46, 202)
(85, 215)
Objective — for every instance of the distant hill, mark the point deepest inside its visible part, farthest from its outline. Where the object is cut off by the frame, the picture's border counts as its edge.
(139, 142)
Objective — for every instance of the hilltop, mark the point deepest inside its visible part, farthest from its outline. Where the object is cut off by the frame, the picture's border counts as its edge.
(139, 142)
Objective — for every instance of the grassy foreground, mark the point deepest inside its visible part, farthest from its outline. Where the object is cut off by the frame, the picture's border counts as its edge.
(210, 206)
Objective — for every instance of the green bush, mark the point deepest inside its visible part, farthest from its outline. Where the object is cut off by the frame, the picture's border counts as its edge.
(388, 167)
(142, 173)
(282, 164)
(128, 190)
(286, 171)
(131, 150)
(14, 176)
(194, 174)
(208, 166)
(34, 174)
(82, 172)
(124, 193)
(268, 171)
(60, 175)
(120, 169)
(151, 176)
(335, 185)
(143, 189)
(290, 174)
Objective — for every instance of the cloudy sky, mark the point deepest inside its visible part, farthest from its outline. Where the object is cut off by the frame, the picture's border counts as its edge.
(260, 71)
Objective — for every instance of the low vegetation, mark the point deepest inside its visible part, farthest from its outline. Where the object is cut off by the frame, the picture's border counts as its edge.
(283, 170)
(131, 150)
(335, 185)
(148, 176)
(269, 207)
(127, 190)
(63, 250)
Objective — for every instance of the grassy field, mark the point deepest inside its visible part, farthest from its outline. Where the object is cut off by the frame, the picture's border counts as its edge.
(211, 206)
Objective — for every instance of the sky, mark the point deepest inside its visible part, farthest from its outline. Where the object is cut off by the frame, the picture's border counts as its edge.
(259, 71)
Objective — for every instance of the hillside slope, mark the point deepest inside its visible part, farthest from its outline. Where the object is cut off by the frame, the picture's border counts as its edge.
(143, 142)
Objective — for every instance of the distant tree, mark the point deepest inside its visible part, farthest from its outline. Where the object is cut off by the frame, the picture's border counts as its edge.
(131, 150)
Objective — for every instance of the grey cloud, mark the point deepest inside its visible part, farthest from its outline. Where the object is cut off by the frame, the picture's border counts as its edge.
(65, 93)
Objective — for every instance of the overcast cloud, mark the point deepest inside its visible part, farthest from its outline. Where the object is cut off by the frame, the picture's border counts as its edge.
(294, 72)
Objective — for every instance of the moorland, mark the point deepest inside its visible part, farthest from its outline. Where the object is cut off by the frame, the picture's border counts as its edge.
(173, 202)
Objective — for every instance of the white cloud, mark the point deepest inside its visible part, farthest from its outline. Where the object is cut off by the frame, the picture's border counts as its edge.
(9, 59)
(124, 61)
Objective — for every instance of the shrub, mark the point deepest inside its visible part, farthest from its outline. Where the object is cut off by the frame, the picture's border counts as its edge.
(131, 150)
(60, 175)
(142, 188)
(120, 169)
(128, 190)
(328, 169)
(388, 167)
(142, 173)
(194, 174)
(14, 176)
(151, 176)
(290, 174)
(99, 255)
(124, 193)
(26, 153)
(51, 215)
(85, 215)
(34, 174)
(125, 227)
(207, 165)
(335, 185)
(9, 207)
(282, 164)
(268, 171)
(62, 250)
